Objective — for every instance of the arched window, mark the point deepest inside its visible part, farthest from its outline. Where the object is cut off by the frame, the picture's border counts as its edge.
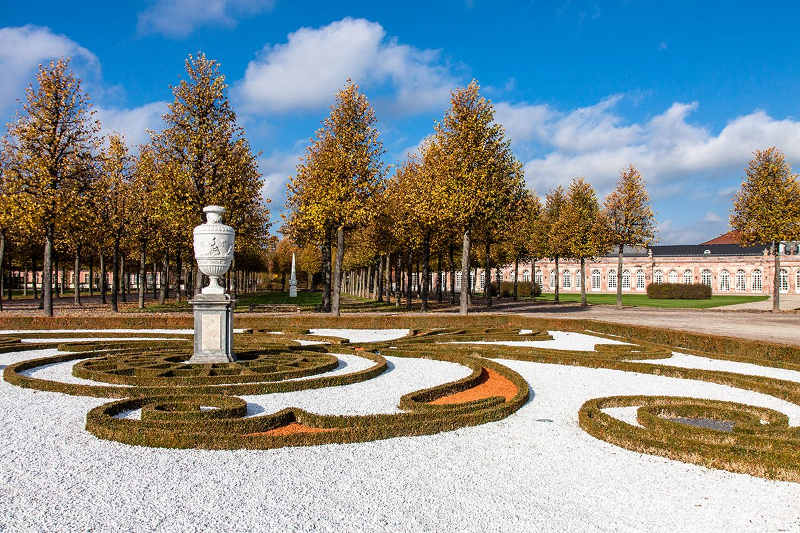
(741, 281)
(797, 281)
(705, 277)
(566, 279)
(724, 281)
(458, 280)
(595, 280)
(757, 282)
(658, 277)
(784, 280)
(526, 276)
(626, 280)
(538, 278)
(688, 278)
(552, 279)
(673, 276)
(640, 279)
(482, 280)
(612, 279)
(578, 280)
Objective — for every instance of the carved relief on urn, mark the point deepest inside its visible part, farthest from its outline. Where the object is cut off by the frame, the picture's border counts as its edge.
(213, 248)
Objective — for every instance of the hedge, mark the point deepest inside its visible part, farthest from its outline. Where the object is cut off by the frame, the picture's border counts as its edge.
(523, 289)
(679, 291)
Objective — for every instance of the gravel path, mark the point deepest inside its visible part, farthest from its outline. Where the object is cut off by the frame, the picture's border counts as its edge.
(536, 470)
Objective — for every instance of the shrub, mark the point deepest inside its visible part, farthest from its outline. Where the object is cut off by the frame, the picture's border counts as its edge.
(523, 289)
(679, 291)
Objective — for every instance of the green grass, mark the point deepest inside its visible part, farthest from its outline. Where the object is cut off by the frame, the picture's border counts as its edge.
(643, 301)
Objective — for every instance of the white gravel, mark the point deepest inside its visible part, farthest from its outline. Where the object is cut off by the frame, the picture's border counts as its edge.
(362, 335)
(536, 470)
(562, 340)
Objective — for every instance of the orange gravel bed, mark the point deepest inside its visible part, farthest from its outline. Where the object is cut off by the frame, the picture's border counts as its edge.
(491, 384)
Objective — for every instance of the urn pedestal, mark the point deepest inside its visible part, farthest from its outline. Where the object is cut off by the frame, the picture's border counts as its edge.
(213, 328)
(213, 309)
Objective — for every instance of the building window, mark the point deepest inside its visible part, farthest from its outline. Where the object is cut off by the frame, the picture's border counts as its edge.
(578, 280)
(757, 287)
(526, 276)
(687, 277)
(626, 280)
(673, 276)
(596, 280)
(797, 281)
(705, 277)
(538, 277)
(612, 279)
(741, 281)
(458, 280)
(658, 277)
(552, 279)
(784, 280)
(640, 279)
(724, 281)
(567, 279)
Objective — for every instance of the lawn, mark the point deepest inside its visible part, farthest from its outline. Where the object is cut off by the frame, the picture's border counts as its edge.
(643, 301)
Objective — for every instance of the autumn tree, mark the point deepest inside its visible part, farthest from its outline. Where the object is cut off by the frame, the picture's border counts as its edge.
(338, 178)
(114, 212)
(629, 216)
(517, 237)
(582, 226)
(767, 207)
(556, 243)
(480, 173)
(206, 159)
(51, 149)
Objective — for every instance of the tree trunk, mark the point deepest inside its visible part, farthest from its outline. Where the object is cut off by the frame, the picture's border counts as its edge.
(439, 277)
(619, 277)
(556, 300)
(35, 289)
(381, 275)
(410, 274)
(398, 274)
(776, 280)
(91, 275)
(516, 276)
(464, 304)
(450, 252)
(123, 278)
(142, 272)
(103, 276)
(326, 272)
(2, 260)
(25, 283)
(47, 273)
(426, 261)
(487, 285)
(63, 279)
(164, 292)
(115, 278)
(337, 273)
(583, 282)
(76, 276)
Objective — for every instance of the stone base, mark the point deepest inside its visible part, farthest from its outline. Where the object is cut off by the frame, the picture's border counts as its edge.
(213, 329)
(292, 290)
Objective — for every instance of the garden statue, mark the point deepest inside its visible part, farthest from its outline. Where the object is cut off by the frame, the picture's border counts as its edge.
(293, 281)
(213, 309)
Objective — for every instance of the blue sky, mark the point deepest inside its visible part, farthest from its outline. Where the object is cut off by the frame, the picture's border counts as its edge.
(685, 90)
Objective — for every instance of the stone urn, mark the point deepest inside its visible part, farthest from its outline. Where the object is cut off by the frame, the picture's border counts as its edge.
(213, 248)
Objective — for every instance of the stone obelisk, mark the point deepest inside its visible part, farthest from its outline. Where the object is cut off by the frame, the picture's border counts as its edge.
(213, 309)
(293, 281)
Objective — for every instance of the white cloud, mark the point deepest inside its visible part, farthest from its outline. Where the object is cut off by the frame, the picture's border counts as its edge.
(306, 71)
(594, 142)
(276, 170)
(23, 48)
(179, 18)
(132, 123)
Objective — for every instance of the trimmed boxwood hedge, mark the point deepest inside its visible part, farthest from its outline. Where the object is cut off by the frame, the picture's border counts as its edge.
(679, 291)
(761, 442)
(525, 289)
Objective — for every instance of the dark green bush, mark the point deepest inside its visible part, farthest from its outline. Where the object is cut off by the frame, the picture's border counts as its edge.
(679, 291)
(523, 289)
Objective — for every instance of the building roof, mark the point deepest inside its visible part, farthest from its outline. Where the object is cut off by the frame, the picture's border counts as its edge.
(705, 250)
(732, 237)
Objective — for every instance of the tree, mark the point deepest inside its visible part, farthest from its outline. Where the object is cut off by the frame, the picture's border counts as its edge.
(583, 227)
(205, 159)
(51, 149)
(556, 244)
(480, 174)
(767, 207)
(114, 187)
(339, 177)
(630, 219)
(517, 235)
